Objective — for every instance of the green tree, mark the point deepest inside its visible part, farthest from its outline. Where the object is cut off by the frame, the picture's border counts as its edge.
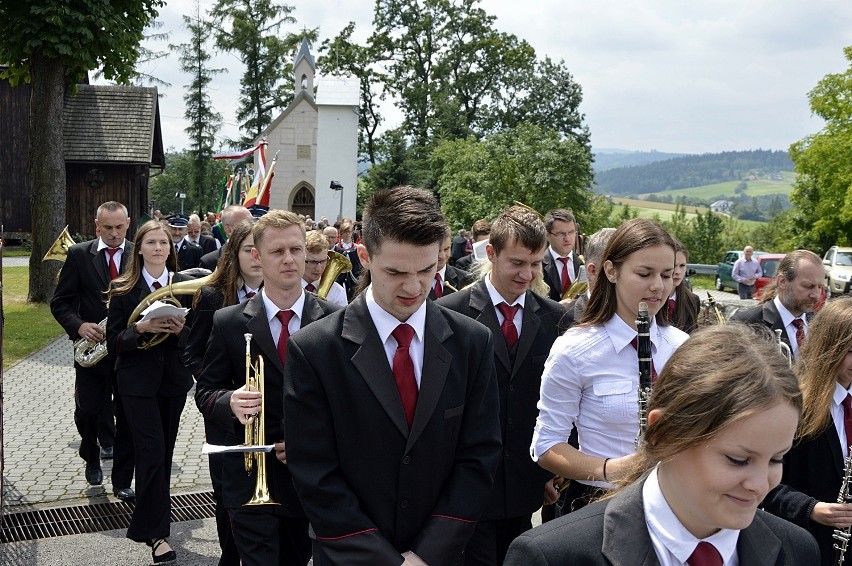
(821, 193)
(180, 173)
(204, 121)
(251, 29)
(705, 243)
(49, 44)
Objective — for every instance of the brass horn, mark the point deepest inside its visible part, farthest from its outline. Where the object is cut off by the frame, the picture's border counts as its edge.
(59, 249)
(255, 434)
(337, 264)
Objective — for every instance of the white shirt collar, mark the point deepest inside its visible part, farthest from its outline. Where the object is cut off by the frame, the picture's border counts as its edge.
(272, 309)
(622, 334)
(666, 528)
(386, 323)
(497, 298)
(314, 283)
(442, 272)
(103, 245)
(839, 394)
(786, 316)
(149, 279)
(556, 256)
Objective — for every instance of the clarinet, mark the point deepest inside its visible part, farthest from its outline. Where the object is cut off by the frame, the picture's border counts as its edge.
(643, 350)
(842, 536)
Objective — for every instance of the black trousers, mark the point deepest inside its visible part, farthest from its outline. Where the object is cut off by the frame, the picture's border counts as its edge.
(153, 422)
(491, 540)
(230, 556)
(265, 538)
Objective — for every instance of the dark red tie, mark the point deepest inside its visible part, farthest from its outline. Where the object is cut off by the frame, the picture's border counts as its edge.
(403, 370)
(249, 294)
(510, 331)
(635, 344)
(156, 285)
(439, 287)
(670, 304)
(847, 419)
(284, 317)
(800, 331)
(566, 279)
(310, 288)
(113, 268)
(705, 554)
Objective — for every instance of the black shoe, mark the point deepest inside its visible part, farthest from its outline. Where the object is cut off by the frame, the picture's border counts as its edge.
(94, 474)
(106, 452)
(166, 556)
(124, 493)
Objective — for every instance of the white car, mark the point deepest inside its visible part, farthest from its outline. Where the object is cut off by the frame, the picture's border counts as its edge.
(838, 270)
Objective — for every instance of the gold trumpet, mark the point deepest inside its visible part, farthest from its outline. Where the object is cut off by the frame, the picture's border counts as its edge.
(167, 294)
(256, 432)
(337, 264)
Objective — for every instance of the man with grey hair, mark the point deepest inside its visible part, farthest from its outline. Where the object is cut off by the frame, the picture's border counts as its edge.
(745, 272)
(231, 217)
(330, 233)
(595, 246)
(193, 233)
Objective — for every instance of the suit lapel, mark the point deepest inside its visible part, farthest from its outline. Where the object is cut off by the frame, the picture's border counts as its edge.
(772, 318)
(258, 325)
(626, 540)
(551, 271)
(436, 367)
(371, 362)
(99, 263)
(480, 302)
(833, 441)
(126, 255)
(529, 330)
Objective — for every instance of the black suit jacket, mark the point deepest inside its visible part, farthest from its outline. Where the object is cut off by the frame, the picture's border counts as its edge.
(766, 315)
(80, 294)
(813, 472)
(211, 260)
(159, 370)
(614, 533)
(225, 370)
(370, 488)
(456, 278)
(519, 482)
(207, 243)
(188, 255)
(210, 301)
(553, 273)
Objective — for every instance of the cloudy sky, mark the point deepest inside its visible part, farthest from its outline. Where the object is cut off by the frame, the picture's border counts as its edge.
(666, 75)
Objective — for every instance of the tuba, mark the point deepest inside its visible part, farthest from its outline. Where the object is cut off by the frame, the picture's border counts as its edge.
(59, 249)
(337, 264)
(167, 294)
(256, 432)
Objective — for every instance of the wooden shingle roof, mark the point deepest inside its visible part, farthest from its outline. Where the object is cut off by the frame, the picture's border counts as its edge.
(104, 123)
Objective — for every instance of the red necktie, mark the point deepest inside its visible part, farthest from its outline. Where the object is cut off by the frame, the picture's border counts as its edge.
(156, 285)
(284, 317)
(705, 554)
(249, 294)
(403, 370)
(310, 288)
(847, 419)
(670, 304)
(113, 268)
(800, 331)
(439, 287)
(566, 279)
(510, 331)
(635, 344)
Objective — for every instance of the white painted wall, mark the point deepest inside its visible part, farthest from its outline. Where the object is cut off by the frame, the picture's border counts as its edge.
(337, 159)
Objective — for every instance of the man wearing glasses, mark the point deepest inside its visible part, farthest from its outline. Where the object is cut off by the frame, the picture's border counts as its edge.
(316, 260)
(561, 265)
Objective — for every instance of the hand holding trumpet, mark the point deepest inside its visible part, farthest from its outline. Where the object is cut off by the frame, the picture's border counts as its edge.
(246, 402)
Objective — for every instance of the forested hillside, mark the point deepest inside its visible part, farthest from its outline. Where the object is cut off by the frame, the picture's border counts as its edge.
(691, 171)
(606, 159)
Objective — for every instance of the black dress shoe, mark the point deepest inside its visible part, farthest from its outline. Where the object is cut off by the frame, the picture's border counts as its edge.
(106, 452)
(169, 556)
(124, 493)
(94, 474)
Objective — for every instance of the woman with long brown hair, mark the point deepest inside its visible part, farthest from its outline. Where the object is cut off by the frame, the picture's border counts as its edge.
(813, 469)
(591, 376)
(152, 382)
(721, 417)
(683, 305)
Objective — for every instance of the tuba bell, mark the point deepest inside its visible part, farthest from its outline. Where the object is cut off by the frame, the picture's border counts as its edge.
(59, 249)
(337, 264)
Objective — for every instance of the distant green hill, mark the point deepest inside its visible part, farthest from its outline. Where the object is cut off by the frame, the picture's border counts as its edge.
(754, 188)
(692, 171)
(606, 159)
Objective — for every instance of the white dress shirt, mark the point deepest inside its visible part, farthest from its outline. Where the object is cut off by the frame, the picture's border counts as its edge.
(559, 264)
(336, 295)
(242, 293)
(672, 542)
(787, 318)
(497, 298)
(163, 279)
(837, 416)
(386, 323)
(272, 315)
(591, 379)
(102, 246)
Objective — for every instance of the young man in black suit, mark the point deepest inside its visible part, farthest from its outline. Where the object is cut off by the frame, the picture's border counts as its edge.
(448, 279)
(78, 305)
(263, 534)
(391, 405)
(798, 289)
(561, 264)
(524, 326)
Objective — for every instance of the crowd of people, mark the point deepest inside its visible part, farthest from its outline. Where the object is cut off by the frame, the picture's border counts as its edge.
(415, 397)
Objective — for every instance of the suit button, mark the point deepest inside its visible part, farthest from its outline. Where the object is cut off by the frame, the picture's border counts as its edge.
(404, 503)
(506, 453)
(509, 421)
(511, 387)
(406, 460)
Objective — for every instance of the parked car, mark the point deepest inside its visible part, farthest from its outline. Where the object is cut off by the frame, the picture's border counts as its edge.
(769, 266)
(838, 270)
(726, 266)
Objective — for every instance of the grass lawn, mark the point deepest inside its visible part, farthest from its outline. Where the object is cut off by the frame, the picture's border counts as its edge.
(28, 326)
(755, 188)
(649, 209)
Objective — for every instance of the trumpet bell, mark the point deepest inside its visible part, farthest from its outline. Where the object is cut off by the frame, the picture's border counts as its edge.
(59, 249)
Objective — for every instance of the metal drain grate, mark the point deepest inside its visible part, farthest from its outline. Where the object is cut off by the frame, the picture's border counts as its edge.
(96, 517)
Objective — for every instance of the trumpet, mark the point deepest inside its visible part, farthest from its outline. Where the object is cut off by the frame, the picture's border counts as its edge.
(256, 432)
